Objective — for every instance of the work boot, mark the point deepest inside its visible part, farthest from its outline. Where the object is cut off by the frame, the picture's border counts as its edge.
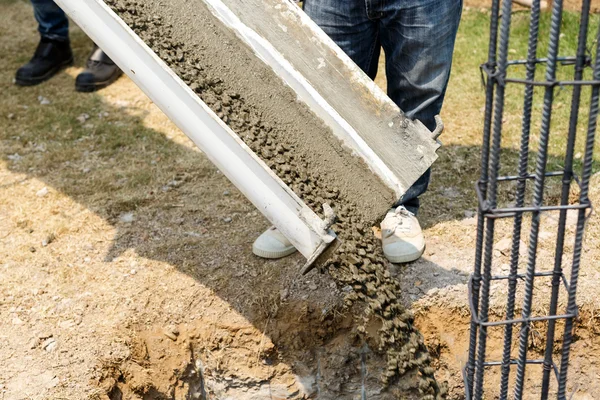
(100, 72)
(401, 236)
(49, 58)
(272, 244)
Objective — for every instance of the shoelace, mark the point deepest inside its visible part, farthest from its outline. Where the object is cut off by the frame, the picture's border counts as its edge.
(401, 220)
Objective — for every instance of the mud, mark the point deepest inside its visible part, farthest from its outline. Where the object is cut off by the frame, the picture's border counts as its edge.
(297, 146)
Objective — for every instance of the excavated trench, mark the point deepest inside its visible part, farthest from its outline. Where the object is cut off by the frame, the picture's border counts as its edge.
(304, 153)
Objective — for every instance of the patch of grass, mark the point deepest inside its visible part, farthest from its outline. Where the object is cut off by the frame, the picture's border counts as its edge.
(110, 156)
(471, 50)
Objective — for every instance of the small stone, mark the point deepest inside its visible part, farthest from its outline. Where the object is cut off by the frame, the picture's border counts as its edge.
(11, 116)
(17, 321)
(132, 272)
(49, 344)
(284, 294)
(43, 101)
(170, 335)
(227, 219)
(82, 118)
(226, 193)
(49, 239)
(127, 217)
(14, 157)
(171, 332)
(42, 192)
(312, 286)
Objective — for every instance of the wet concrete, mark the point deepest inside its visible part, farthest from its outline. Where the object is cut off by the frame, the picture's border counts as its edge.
(303, 152)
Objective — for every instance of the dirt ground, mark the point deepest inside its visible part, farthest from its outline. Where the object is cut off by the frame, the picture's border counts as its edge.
(126, 269)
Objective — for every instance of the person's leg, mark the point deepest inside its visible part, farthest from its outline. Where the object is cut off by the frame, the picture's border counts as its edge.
(52, 21)
(53, 51)
(99, 73)
(351, 27)
(347, 22)
(418, 39)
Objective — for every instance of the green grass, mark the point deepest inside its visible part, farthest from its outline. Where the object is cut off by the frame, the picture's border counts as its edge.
(473, 50)
(562, 99)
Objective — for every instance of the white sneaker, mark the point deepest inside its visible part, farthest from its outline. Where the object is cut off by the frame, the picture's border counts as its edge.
(272, 244)
(401, 236)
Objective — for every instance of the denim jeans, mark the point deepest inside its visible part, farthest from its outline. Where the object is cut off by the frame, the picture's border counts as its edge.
(417, 37)
(52, 21)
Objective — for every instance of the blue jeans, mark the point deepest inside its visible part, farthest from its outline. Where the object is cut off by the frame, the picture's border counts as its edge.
(417, 37)
(52, 22)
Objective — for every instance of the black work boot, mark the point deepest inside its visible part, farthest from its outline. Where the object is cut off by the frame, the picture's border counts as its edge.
(49, 58)
(100, 72)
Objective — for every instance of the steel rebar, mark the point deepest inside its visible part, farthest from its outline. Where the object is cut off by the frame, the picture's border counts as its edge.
(538, 195)
(566, 188)
(489, 101)
(494, 169)
(520, 196)
(583, 197)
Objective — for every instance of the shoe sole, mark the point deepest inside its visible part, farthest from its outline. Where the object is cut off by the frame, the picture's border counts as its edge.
(40, 79)
(98, 85)
(406, 258)
(273, 254)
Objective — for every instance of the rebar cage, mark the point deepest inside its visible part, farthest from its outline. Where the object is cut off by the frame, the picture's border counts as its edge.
(496, 74)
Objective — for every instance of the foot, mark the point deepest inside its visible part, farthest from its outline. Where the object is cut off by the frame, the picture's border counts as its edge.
(401, 236)
(49, 58)
(272, 244)
(100, 72)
